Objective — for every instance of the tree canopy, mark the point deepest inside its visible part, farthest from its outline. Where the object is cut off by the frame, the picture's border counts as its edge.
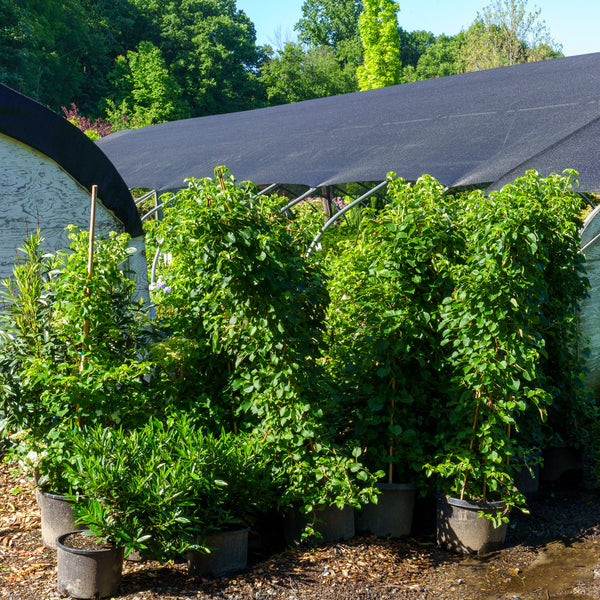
(136, 62)
(380, 37)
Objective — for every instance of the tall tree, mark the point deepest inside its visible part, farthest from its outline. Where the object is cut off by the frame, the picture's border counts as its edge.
(506, 33)
(334, 24)
(439, 59)
(210, 48)
(413, 45)
(112, 32)
(143, 82)
(380, 37)
(15, 46)
(41, 48)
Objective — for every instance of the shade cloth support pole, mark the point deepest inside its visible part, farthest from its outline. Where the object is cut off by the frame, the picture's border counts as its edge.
(146, 195)
(298, 199)
(587, 200)
(342, 212)
(156, 208)
(590, 243)
(266, 190)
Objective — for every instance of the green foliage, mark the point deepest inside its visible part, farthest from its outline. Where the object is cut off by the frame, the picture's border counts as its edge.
(413, 44)
(386, 289)
(144, 83)
(163, 488)
(210, 49)
(501, 329)
(53, 375)
(449, 338)
(329, 22)
(41, 48)
(239, 287)
(297, 74)
(506, 34)
(378, 25)
(245, 311)
(439, 59)
(332, 24)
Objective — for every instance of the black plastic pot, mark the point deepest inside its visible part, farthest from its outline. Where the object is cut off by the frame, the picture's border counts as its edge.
(460, 528)
(392, 515)
(57, 517)
(88, 573)
(332, 523)
(229, 554)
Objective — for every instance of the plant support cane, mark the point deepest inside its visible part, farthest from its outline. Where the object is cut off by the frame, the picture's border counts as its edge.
(90, 272)
(90, 269)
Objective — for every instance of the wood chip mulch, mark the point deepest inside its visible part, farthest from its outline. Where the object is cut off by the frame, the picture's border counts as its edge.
(361, 569)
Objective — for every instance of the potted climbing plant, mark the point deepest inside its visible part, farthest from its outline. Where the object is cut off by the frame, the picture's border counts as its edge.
(245, 309)
(493, 334)
(386, 287)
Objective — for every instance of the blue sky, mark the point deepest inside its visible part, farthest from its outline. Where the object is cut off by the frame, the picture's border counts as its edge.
(572, 24)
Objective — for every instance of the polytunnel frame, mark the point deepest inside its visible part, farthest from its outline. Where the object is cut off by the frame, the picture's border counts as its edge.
(287, 209)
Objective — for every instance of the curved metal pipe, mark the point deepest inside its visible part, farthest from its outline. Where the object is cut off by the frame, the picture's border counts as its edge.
(342, 212)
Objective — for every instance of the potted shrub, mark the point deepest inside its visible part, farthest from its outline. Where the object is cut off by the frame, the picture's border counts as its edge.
(57, 374)
(165, 489)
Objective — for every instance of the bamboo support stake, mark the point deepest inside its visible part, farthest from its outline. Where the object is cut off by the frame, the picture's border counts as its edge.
(90, 269)
(221, 179)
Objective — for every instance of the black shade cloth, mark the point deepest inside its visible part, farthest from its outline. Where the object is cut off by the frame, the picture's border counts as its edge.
(480, 128)
(33, 124)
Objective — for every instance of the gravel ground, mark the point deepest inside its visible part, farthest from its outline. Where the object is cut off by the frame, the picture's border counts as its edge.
(552, 553)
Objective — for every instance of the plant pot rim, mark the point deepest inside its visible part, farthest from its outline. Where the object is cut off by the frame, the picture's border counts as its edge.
(55, 495)
(61, 546)
(227, 532)
(472, 504)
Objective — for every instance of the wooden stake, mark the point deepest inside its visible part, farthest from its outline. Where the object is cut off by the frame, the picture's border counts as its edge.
(221, 180)
(90, 269)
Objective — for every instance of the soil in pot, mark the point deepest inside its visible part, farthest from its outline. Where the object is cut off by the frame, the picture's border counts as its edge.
(460, 528)
(57, 517)
(392, 515)
(229, 553)
(87, 567)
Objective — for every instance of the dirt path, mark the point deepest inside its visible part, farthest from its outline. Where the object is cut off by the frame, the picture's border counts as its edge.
(554, 553)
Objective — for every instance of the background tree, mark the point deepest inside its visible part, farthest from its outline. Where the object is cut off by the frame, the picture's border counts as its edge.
(15, 45)
(144, 84)
(505, 33)
(210, 49)
(302, 74)
(333, 24)
(378, 25)
(112, 32)
(413, 45)
(42, 42)
(439, 59)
